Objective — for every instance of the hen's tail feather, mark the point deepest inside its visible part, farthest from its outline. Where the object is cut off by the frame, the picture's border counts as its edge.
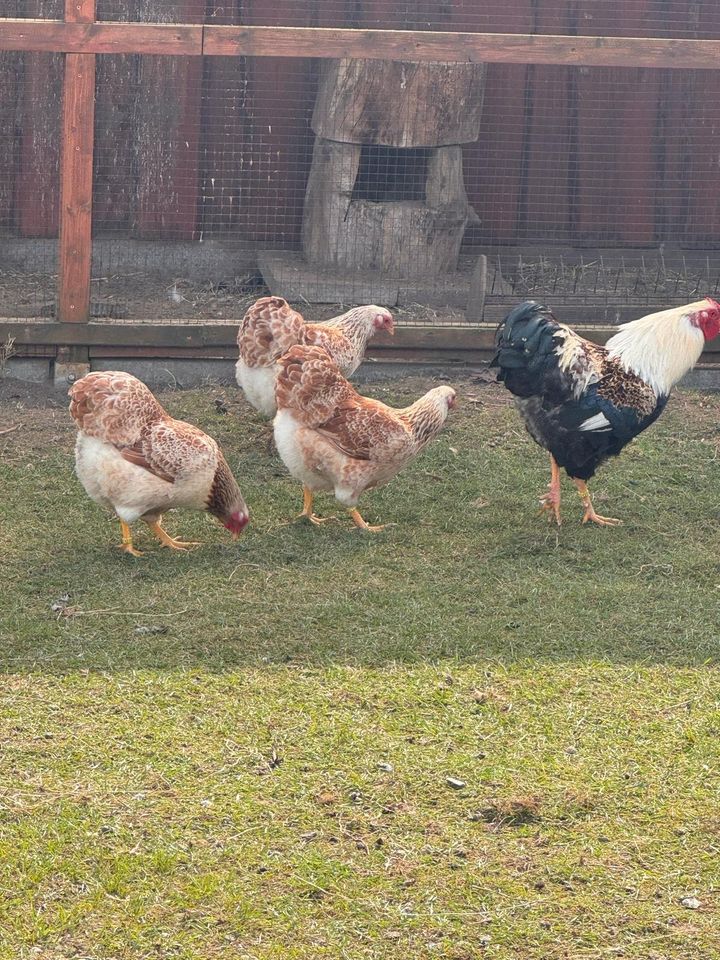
(525, 343)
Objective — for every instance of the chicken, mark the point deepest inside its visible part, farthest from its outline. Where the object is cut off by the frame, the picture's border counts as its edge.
(582, 402)
(133, 458)
(331, 438)
(270, 327)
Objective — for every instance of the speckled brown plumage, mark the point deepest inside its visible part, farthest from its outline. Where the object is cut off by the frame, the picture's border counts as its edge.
(337, 439)
(121, 427)
(625, 388)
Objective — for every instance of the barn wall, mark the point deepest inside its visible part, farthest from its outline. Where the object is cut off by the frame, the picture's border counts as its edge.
(187, 149)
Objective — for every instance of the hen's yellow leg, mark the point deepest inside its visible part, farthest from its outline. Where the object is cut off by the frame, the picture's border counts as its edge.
(166, 540)
(307, 510)
(550, 501)
(590, 514)
(127, 545)
(359, 522)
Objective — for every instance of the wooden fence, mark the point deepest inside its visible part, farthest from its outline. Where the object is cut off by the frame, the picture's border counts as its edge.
(683, 66)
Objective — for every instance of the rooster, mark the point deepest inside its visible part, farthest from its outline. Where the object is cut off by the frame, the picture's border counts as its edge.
(331, 438)
(270, 327)
(133, 458)
(582, 402)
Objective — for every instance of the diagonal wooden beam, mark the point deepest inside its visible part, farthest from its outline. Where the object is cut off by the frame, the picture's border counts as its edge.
(76, 176)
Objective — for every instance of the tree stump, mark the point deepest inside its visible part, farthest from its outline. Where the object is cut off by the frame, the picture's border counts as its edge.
(386, 190)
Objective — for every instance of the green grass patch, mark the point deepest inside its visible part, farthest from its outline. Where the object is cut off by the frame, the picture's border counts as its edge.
(245, 752)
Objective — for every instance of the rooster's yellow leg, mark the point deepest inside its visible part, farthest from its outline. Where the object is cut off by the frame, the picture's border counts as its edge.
(307, 511)
(166, 540)
(589, 510)
(550, 501)
(127, 545)
(359, 522)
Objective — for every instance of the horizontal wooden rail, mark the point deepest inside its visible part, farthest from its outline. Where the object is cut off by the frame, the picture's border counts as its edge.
(461, 47)
(56, 36)
(213, 40)
(219, 339)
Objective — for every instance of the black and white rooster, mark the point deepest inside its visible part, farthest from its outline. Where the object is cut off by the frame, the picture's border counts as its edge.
(582, 402)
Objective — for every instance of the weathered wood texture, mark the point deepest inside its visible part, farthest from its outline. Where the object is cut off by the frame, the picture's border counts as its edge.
(10, 66)
(76, 176)
(167, 134)
(637, 164)
(37, 178)
(47, 34)
(405, 238)
(399, 104)
(469, 344)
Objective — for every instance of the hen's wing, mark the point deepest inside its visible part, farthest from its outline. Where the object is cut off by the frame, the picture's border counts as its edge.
(310, 385)
(268, 330)
(113, 406)
(332, 341)
(120, 410)
(366, 429)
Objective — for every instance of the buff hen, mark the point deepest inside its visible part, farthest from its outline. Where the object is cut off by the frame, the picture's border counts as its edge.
(133, 458)
(270, 327)
(331, 438)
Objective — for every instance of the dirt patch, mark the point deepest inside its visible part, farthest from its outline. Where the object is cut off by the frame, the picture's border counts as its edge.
(28, 395)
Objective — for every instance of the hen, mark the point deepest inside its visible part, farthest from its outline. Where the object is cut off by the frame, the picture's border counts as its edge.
(133, 458)
(270, 327)
(582, 402)
(331, 438)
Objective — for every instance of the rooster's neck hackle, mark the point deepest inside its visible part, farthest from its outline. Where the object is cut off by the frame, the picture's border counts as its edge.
(660, 348)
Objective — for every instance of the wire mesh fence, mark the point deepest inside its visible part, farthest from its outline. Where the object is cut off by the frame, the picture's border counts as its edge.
(218, 179)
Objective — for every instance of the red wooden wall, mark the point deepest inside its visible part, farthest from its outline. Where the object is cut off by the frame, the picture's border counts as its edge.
(222, 147)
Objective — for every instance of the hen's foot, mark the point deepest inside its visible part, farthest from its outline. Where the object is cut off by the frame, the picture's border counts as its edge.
(307, 510)
(167, 541)
(359, 522)
(127, 545)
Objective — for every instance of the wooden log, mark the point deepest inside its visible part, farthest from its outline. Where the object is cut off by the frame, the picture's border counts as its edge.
(167, 135)
(327, 198)
(399, 104)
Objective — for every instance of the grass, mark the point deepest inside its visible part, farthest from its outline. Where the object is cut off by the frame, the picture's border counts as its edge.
(244, 752)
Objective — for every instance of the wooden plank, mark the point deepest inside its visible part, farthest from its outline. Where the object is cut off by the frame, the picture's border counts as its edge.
(332, 42)
(214, 336)
(494, 165)
(167, 136)
(225, 131)
(10, 65)
(278, 151)
(37, 181)
(261, 41)
(76, 176)
(55, 36)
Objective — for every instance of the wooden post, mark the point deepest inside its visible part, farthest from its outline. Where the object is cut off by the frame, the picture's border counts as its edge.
(76, 175)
